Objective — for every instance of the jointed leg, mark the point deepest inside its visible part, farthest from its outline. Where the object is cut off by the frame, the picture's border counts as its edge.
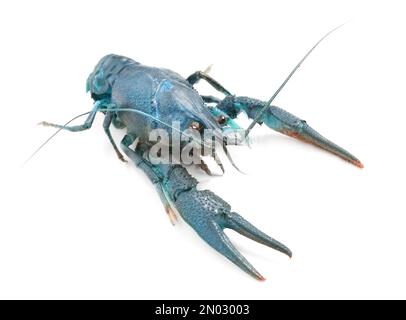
(86, 125)
(195, 77)
(109, 117)
(152, 173)
(106, 126)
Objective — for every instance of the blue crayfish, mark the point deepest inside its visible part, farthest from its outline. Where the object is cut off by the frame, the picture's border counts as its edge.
(143, 99)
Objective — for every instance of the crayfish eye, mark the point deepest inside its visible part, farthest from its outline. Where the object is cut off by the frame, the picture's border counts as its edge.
(221, 120)
(195, 125)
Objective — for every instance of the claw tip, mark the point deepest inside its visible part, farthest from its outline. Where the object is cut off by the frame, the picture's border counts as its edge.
(287, 252)
(171, 214)
(261, 278)
(358, 164)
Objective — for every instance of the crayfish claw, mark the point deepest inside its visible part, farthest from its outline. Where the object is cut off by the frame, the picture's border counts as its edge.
(217, 239)
(208, 215)
(239, 224)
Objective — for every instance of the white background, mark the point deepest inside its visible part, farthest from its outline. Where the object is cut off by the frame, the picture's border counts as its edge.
(77, 223)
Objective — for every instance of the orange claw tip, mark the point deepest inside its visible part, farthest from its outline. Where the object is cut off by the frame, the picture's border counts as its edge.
(171, 215)
(358, 164)
(261, 278)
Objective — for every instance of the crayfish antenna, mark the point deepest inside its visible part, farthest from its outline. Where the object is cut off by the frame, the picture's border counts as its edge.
(268, 104)
(53, 135)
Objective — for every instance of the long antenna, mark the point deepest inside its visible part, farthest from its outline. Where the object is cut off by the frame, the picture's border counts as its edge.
(53, 135)
(268, 104)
